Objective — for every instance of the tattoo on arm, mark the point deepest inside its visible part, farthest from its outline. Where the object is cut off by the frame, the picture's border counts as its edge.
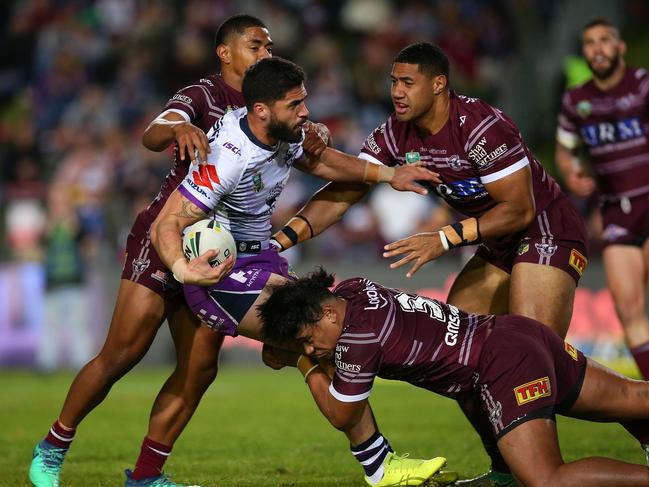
(189, 210)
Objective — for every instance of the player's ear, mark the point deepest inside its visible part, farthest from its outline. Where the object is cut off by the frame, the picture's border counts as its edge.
(261, 110)
(439, 83)
(622, 48)
(224, 53)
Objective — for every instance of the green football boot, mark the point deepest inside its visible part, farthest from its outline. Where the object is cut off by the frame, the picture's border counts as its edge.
(45, 469)
(402, 471)
(161, 480)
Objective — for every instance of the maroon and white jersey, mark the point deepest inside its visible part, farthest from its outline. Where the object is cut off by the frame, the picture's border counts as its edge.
(405, 337)
(612, 125)
(201, 104)
(478, 145)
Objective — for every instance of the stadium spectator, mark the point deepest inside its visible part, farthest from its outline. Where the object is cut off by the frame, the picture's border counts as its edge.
(603, 121)
(522, 371)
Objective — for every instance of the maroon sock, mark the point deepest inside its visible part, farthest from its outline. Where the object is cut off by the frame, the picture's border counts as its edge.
(641, 357)
(60, 437)
(153, 456)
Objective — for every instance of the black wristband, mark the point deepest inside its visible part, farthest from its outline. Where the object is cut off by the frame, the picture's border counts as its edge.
(290, 234)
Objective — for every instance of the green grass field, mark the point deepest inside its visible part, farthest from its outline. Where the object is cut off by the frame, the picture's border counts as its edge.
(255, 427)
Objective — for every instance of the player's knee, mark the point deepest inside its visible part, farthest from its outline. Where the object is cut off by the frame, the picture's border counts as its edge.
(114, 362)
(630, 309)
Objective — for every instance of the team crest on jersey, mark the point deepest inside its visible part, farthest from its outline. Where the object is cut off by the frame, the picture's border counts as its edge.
(584, 108)
(546, 249)
(412, 157)
(570, 350)
(533, 390)
(257, 183)
(523, 248)
(140, 265)
(455, 163)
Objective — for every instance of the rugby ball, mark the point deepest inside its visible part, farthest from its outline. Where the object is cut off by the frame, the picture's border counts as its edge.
(205, 235)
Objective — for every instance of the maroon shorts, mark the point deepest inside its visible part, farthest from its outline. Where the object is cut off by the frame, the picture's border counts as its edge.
(557, 237)
(143, 265)
(626, 222)
(526, 371)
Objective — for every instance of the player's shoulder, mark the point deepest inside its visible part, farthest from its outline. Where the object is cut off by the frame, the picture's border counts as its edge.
(475, 117)
(639, 74)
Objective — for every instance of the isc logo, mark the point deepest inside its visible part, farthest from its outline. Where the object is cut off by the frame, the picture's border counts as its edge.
(533, 390)
(606, 132)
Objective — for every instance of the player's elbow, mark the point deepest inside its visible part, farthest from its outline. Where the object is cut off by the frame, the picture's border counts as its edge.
(523, 214)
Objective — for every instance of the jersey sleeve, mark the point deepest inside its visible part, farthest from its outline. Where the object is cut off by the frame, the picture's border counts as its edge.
(189, 102)
(495, 148)
(357, 363)
(206, 184)
(567, 128)
(377, 148)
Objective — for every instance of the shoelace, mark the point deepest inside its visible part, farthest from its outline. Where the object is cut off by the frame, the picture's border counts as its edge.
(407, 465)
(52, 458)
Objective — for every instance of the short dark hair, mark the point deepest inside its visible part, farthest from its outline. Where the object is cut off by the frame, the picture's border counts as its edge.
(431, 59)
(236, 24)
(294, 305)
(601, 21)
(269, 80)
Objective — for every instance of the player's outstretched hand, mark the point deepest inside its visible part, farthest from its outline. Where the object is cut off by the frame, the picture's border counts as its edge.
(277, 358)
(200, 272)
(405, 178)
(192, 141)
(316, 138)
(419, 248)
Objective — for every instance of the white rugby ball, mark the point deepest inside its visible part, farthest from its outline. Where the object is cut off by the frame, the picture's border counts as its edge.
(205, 235)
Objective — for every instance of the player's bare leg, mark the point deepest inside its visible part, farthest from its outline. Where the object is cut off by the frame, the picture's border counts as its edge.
(543, 293)
(197, 353)
(137, 316)
(626, 273)
(532, 452)
(480, 288)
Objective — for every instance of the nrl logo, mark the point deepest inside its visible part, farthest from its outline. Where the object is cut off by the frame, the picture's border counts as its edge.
(584, 108)
(523, 248)
(257, 183)
(412, 157)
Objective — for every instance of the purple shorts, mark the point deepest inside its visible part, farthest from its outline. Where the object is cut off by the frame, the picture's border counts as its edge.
(626, 222)
(526, 371)
(143, 265)
(557, 237)
(223, 306)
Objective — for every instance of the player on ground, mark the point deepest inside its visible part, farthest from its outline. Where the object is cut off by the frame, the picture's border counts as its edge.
(532, 241)
(607, 116)
(253, 150)
(374, 331)
(148, 294)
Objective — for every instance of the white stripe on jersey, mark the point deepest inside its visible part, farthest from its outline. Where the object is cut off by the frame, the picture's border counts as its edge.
(490, 178)
(345, 398)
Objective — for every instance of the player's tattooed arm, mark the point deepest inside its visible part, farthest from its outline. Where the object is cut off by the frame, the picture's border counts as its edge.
(166, 237)
(189, 210)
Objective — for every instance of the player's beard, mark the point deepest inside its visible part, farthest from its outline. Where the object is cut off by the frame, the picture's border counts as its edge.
(604, 74)
(282, 131)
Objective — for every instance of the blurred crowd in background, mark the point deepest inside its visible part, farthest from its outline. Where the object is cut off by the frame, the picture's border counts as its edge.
(80, 80)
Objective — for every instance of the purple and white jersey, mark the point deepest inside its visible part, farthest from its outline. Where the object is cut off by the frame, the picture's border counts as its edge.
(201, 104)
(405, 337)
(242, 179)
(613, 126)
(478, 145)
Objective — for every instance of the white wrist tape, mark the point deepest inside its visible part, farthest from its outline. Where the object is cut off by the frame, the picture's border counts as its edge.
(442, 237)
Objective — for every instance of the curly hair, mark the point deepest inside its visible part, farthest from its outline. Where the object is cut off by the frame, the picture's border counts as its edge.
(294, 305)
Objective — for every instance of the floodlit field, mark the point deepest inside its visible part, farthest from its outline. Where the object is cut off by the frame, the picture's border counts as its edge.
(255, 427)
